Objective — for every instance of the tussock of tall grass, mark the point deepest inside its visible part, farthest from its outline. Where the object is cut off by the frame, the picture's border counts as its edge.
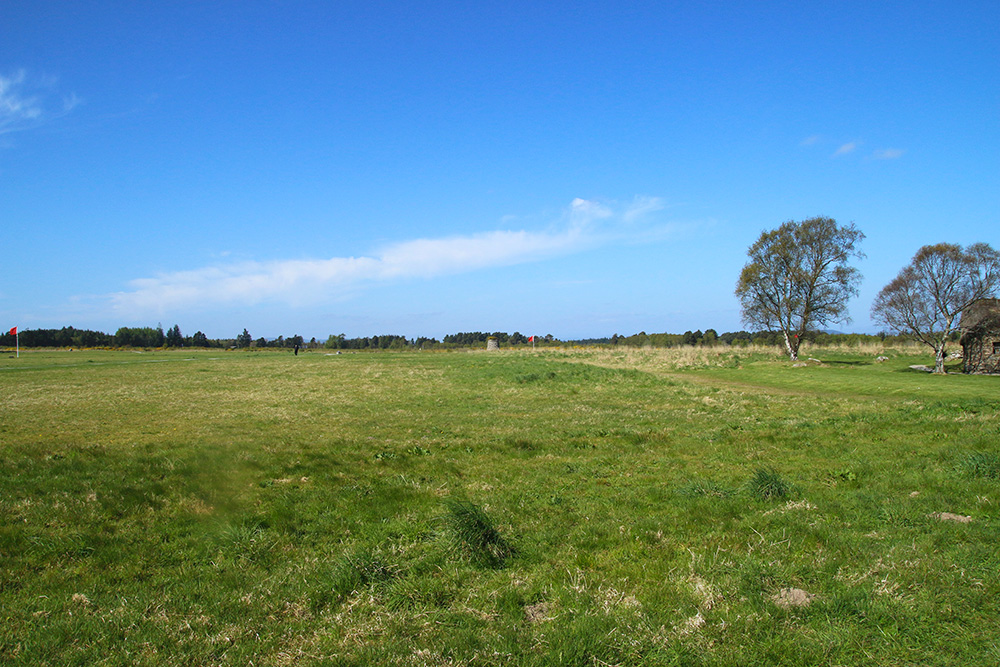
(767, 484)
(473, 533)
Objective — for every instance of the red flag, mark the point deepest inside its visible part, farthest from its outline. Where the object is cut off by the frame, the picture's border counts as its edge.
(531, 340)
(13, 332)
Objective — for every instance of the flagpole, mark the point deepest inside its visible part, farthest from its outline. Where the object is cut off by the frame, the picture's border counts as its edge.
(17, 344)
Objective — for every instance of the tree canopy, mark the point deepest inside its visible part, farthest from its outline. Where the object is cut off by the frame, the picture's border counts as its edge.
(798, 278)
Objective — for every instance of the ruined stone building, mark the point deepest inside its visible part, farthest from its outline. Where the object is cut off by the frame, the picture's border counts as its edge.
(981, 337)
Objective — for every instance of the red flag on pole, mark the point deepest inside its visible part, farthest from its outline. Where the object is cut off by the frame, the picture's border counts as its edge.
(531, 340)
(13, 332)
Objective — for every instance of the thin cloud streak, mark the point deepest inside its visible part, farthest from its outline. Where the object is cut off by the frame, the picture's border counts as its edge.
(641, 207)
(16, 108)
(888, 154)
(586, 224)
(849, 147)
(22, 110)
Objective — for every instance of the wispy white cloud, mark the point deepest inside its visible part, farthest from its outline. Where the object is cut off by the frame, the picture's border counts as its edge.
(25, 102)
(16, 108)
(585, 224)
(642, 206)
(888, 154)
(584, 213)
(847, 148)
(853, 146)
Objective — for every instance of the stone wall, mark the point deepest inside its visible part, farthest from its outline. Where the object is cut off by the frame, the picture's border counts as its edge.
(981, 337)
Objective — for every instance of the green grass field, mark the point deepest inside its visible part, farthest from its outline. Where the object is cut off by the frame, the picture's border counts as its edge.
(559, 507)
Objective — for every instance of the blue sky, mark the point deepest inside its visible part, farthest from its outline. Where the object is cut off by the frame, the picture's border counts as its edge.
(577, 168)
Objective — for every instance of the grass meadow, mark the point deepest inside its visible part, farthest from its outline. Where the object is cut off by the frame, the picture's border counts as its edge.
(556, 507)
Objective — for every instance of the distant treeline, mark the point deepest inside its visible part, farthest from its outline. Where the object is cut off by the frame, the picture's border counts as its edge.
(124, 337)
(710, 338)
(154, 337)
(503, 338)
(462, 339)
(384, 342)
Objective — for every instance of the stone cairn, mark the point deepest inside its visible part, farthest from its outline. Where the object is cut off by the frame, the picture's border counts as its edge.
(492, 344)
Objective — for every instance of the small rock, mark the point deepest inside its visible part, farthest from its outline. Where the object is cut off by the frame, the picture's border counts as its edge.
(948, 516)
(879, 360)
(921, 367)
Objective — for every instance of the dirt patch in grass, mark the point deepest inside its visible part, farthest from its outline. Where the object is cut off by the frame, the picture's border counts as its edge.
(793, 597)
(948, 516)
(692, 624)
(536, 613)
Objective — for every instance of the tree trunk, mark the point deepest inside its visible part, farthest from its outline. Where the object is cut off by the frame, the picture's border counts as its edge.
(791, 346)
(939, 359)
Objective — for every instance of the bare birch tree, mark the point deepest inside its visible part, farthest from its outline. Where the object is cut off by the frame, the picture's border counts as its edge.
(798, 278)
(926, 300)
